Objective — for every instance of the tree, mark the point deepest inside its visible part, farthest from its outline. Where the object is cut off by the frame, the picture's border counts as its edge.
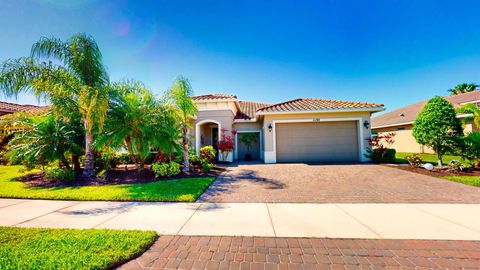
(471, 108)
(463, 88)
(438, 127)
(71, 75)
(139, 122)
(181, 94)
(44, 139)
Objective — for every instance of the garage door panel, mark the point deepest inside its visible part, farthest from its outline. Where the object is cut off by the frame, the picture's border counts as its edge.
(317, 142)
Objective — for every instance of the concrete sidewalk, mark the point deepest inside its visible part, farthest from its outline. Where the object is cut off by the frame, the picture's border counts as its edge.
(368, 221)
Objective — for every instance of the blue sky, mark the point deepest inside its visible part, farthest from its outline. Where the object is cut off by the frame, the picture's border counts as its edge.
(390, 52)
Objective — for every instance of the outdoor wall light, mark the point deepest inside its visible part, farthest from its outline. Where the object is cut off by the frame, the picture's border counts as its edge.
(270, 127)
(366, 124)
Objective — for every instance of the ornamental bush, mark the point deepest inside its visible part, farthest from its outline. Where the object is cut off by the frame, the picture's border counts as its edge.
(166, 169)
(438, 127)
(414, 160)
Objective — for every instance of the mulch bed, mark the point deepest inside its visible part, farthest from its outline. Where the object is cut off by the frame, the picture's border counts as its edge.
(120, 175)
(438, 172)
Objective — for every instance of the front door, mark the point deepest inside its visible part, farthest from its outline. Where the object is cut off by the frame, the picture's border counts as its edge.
(215, 141)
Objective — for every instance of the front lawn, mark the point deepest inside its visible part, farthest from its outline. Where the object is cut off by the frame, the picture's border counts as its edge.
(469, 180)
(426, 158)
(177, 190)
(32, 248)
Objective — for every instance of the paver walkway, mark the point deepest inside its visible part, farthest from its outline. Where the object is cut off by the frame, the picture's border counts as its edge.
(367, 221)
(184, 252)
(362, 183)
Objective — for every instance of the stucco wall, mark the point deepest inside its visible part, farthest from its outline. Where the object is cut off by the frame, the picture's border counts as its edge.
(269, 150)
(405, 142)
(224, 118)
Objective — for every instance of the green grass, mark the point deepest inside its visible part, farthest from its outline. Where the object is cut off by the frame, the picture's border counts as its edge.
(469, 180)
(426, 158)
(178, 190)
(32, 248)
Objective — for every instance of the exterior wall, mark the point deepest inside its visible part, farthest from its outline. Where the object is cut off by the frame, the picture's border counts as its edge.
(269, 136)
(246, 127)
(217, 106)
(223, 118)
(405, 142)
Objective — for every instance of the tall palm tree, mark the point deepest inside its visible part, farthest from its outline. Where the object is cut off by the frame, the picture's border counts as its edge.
(472, 109)
(463, 88)
(71, 75)
(139, 122)
(181, 94)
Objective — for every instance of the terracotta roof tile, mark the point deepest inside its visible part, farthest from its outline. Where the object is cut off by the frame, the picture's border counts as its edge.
(313, 104)
(13, 107)
(214, 96)
(248, 109)
(409, 113)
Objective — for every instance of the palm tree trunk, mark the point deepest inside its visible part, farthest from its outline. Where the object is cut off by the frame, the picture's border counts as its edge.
(88, 165)
(76, 163)
(186, 165)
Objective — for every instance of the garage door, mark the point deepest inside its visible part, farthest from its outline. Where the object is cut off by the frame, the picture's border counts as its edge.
(317, 141)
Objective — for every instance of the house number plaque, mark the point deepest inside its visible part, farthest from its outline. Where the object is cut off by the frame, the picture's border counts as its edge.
(317, 119)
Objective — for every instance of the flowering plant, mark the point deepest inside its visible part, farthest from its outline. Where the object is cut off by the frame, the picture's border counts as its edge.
(226, 143)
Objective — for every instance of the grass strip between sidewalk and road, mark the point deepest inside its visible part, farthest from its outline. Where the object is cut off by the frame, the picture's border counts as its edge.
(34, 248)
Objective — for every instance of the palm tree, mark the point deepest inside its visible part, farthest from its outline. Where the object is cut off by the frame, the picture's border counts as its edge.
(71, 75)
(44, 139)
(139, 122)
(463, 88)
(474, 110)
(181, 94)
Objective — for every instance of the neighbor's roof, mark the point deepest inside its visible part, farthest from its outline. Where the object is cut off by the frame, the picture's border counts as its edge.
(408, 114)
(248, 109)
(313, 104)
(214, 96)
(13, 107)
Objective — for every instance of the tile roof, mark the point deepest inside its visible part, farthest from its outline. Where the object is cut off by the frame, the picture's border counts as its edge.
(409, 113)
(214, 96)
(313, 104)
(248, 109)
(13, 107)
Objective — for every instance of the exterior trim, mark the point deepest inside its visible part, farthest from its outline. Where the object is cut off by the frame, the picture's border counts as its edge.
(197, 132)
(271, 156)
(215, 100)
(371, 109)
(249, 131)
(245, 120)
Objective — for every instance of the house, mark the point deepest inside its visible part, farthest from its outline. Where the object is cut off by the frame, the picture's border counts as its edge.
(7, 107)
(299, 130)
(401, 122)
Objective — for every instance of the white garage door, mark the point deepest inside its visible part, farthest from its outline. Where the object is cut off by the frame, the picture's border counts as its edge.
(317, 142)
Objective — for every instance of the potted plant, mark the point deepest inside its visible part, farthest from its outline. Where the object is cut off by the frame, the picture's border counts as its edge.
(226, 145)
(248, 139)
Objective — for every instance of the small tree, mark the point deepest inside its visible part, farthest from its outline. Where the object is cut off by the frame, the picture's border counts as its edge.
(226, 144)
(248, 139)
(438, 127)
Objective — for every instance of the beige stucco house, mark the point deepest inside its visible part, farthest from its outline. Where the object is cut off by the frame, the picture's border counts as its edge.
(299, 130)
(401, 122)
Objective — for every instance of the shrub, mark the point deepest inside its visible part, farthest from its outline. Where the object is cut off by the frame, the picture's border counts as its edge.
(470, 149)
(207, 153)
(173, 168)
(382, 155)
(380, 150)
(60, 174)
(414, 160)
(166, 169)
(206, 167)
(456, 165)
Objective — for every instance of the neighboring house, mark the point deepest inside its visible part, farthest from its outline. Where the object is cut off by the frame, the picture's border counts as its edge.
(299, 130)
(401, 122)
(7, 107)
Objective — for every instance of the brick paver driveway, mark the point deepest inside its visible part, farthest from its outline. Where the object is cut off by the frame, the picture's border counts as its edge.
(333, 184)
(185, 252)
